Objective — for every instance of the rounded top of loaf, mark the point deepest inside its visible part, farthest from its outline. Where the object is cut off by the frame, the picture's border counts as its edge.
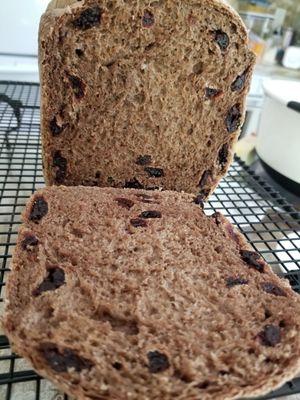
(60, 4)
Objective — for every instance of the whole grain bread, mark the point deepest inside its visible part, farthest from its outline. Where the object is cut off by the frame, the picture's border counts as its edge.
(142, 94)
(133, 295)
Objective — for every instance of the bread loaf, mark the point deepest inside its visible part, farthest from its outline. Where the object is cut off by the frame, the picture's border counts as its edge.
(134, 295)
(142, 94)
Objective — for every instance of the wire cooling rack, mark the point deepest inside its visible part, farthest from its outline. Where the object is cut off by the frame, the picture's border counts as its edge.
(267, 220)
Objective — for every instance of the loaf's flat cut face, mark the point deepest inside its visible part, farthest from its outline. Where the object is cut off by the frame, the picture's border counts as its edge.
(135, 295)
(142, 94)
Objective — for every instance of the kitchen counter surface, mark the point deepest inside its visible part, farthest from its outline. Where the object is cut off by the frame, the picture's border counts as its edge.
(277, 71)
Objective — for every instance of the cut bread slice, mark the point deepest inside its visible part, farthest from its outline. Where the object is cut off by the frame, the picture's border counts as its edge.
(128, 294)
(142, 94)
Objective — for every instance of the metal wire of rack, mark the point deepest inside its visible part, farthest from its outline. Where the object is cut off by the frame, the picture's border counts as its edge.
(270, 224)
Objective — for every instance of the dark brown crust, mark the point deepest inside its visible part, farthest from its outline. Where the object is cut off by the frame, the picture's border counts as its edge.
(161, 289)
(142, 98)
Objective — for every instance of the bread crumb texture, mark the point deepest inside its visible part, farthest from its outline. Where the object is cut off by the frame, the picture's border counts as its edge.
(142, 94)
(130, 294)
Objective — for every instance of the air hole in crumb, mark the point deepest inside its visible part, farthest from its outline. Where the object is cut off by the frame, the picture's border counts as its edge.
(251, 351)
(79, 52)
(208, 143)
(77, 233)
(119, 324)
(219, 249)
(198, 68)
(140, 98)
(150, 46)
(152, 330)
(153, 311)
(267, 314)
(49, 312)
(97, 175)
(222, 372)
(118, 366)
(203, 385)
(233, 28)
(282, 324)
(182, 376)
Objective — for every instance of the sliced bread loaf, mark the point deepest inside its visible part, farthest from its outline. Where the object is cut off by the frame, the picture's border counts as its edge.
(135, 295)
(142, 94)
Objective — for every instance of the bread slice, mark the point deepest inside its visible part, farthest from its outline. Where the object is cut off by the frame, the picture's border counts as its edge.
(135, 295)
(142, 94)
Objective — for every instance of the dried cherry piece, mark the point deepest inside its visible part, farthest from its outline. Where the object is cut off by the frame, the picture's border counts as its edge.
(55, 128)
(233, 118)
(39, 209)
(199, 201)
(150, 214)
(205, 178)
(212, 93)
(239, 83)
(61, 360)
(270, 335)
(125, 203)
(158, 362)
(154, 172)
(29, 241)
(222, 39)
(138, 223)
(77, 85)
(233, 281)
(223, 155)
(54, 279)
(143, 160)
(253, 259)
(133, 184)
(89, 18)
(61, 164)
(271, 288)
(147, 19)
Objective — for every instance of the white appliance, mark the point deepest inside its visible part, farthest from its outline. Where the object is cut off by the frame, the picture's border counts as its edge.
(278, 144)
(254, 105)
(19, 22)
(291, 58)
